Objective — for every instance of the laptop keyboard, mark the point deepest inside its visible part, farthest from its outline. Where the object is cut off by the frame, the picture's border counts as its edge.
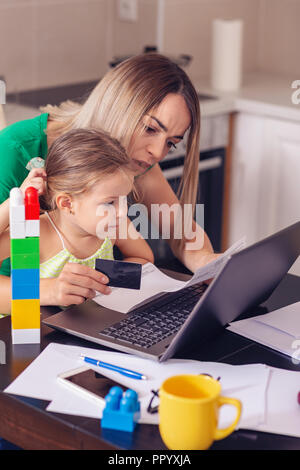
(147, 326)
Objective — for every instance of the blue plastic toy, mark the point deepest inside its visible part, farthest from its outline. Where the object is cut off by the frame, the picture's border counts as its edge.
(121, 411)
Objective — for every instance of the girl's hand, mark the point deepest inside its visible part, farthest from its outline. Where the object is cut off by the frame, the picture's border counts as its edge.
(37, 179)
(74, 285)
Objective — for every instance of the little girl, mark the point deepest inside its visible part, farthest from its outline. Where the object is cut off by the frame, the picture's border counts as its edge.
(84, 187)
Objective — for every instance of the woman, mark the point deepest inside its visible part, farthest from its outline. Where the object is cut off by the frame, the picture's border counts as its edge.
(148, 103)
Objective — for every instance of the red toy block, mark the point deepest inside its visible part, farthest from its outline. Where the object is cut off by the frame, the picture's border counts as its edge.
(32, 206)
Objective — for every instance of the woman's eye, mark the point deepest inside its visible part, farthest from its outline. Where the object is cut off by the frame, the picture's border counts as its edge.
(150, 130)
(170, 144)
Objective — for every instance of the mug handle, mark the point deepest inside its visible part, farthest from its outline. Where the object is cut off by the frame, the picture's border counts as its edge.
(221, 433)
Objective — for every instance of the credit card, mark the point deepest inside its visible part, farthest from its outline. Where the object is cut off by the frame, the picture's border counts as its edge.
(120, 273)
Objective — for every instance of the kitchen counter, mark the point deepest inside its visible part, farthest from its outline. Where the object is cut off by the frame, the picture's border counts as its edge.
(259, 94)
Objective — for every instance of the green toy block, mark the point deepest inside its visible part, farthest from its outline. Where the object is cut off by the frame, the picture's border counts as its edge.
(20, 246)
(25, 253)
(26, 261)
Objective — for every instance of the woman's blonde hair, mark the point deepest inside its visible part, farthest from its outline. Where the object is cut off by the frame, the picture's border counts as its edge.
(79, 159)
(128, 92)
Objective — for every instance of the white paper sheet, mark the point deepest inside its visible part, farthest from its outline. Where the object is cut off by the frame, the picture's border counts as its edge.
(39, 380)
(286, 319)
(278, 330)
(283, 410)
(154, 282)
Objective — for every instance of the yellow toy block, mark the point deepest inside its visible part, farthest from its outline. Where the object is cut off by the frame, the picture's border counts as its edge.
(25, 313)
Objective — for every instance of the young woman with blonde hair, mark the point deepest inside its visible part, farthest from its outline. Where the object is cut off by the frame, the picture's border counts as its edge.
(148, 103)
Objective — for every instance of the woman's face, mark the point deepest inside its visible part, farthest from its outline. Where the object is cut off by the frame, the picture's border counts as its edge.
(162, 129)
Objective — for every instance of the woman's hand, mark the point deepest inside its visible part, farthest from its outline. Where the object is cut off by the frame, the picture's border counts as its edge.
(37, 179)
(206, 257)
(74, 285)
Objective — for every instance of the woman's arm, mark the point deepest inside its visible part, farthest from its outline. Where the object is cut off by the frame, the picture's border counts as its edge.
(4, 231)
(155, 189)
(4, 216)
(134, 248)
(5, 294)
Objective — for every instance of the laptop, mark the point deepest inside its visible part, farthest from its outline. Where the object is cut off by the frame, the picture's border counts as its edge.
(175, 321)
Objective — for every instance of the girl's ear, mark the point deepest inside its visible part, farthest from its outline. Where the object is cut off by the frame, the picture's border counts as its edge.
(64, 202)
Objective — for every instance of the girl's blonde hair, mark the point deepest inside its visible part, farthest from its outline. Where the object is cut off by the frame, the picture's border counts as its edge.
(78, 159)
(121, 99)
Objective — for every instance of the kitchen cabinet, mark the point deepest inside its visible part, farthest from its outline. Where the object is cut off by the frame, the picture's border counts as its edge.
(265, 189)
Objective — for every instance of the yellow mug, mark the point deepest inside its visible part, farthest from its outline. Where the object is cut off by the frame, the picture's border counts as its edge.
(188, 412)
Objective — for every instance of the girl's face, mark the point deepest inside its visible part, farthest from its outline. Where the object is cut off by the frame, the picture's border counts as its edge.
(101, 210)
(162, 129)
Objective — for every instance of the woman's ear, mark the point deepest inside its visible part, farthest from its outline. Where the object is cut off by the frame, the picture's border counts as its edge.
(64, 203)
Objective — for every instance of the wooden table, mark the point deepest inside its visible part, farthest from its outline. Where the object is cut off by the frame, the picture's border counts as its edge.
(25, 422)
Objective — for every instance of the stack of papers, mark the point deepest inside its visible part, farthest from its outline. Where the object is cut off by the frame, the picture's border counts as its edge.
(154, 283)
(279, 330)
(267, 406)
(282, 415)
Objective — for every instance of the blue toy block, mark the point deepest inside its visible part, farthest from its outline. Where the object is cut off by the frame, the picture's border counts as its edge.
(25, 283)
(25, 276)
(121, 411)
(25, 291)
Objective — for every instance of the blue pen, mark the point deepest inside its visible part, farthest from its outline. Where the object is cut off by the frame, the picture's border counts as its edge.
(121, 370)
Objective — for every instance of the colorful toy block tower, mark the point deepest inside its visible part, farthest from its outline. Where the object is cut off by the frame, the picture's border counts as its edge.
(25, 265)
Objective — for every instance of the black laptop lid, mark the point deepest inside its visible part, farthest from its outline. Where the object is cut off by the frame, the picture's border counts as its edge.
(248, 279)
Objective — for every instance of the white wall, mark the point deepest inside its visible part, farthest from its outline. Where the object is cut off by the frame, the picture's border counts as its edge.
(55, 42)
